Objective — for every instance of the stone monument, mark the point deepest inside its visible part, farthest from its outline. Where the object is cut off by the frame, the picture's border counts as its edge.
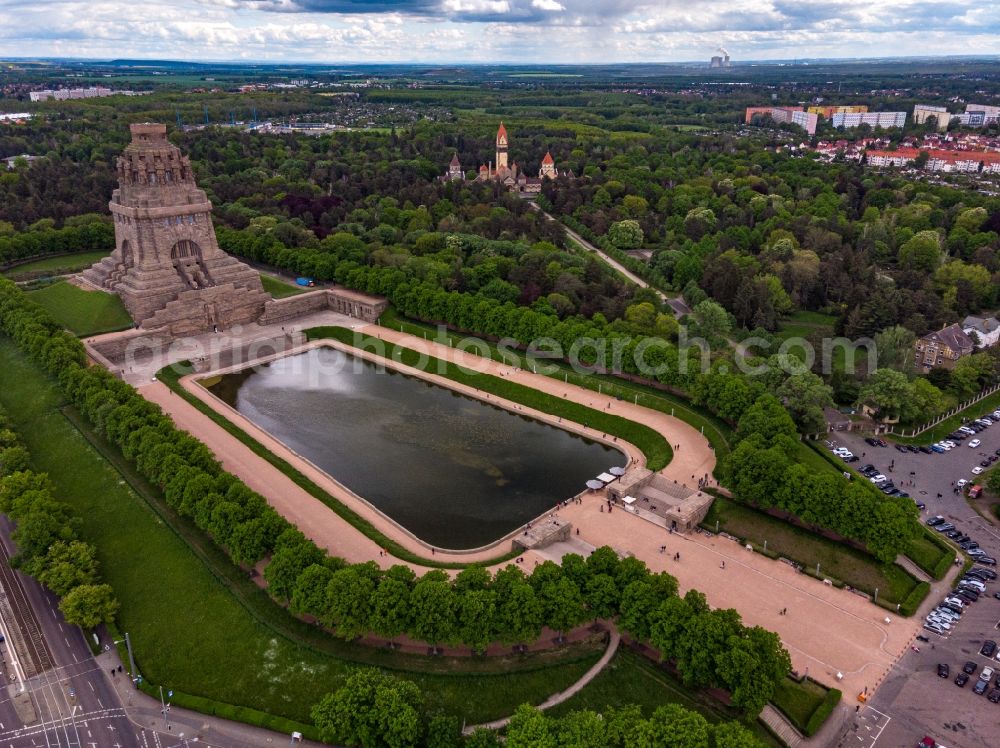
(167, 266)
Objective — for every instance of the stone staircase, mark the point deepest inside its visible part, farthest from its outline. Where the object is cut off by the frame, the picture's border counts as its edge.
(780, 726)
(104, 274)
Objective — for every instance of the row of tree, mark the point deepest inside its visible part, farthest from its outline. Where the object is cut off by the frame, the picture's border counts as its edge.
(82, 234)
(374, 709)
(764, 470)
(48, 547)
(473, 609)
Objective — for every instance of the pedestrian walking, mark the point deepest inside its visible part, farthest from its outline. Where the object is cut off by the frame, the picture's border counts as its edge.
(722, 565)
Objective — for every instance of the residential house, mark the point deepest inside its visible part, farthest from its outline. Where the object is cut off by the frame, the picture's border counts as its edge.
(987, 330)
(941, 349)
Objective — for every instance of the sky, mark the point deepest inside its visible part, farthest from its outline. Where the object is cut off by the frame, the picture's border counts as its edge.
(482, 31)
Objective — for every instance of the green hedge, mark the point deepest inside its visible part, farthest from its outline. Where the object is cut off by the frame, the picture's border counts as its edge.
(909, 606)
(823, 712)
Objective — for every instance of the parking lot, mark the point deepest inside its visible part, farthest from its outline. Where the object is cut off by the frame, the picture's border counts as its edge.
(913, 700)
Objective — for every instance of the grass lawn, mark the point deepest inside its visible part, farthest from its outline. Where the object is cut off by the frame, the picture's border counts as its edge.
(836, 560)
(200, 626)
(810, 325)
(56, 265)
(632, 679)
(278, 288)
(987, 405)
(82, 312)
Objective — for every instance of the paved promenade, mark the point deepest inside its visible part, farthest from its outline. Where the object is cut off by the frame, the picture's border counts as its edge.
(826, 630)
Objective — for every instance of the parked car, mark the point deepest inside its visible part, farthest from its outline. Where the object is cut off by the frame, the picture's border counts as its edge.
(961, 679)
(980, 688)
(925, 448)
(937, 448)
(985, 560)
(945, 527)
(977, 470)
(975, 492)
(871, 442)
(994, 695)
(943, 670)
(935, 520)
(980, 572)
(970, 667)
(967, 594)
(966, 545)
(954, 534)
(977, 552)
(974, 443)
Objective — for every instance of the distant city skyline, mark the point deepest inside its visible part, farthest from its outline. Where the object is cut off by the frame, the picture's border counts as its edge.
(496, 31)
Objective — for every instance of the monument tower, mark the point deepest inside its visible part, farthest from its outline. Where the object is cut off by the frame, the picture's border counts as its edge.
(167, 266)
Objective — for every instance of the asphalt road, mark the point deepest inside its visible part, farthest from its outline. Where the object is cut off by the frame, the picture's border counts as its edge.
(913, 701)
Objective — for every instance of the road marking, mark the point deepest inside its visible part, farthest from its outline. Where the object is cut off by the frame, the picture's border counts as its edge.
(884, 725)
(99, 702)
(91, 686)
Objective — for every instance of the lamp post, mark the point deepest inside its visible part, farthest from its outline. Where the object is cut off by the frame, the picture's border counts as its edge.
(164, 709)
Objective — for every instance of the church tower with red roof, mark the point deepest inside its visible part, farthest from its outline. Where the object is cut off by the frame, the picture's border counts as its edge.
(501, 162)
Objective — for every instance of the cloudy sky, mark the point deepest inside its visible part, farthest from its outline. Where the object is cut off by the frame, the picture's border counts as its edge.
(557, 31)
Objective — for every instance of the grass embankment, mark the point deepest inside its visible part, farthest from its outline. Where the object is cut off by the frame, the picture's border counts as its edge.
(807, 705)
(987, 405)
(279, 289)
(836, 560)
(717, 431)
(632, 679)
(82, 312)
(198, 624)
(50, 266)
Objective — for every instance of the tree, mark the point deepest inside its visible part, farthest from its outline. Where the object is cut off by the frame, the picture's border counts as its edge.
(476, 618)
(886, 391)
(530, 728)
(390, 607)
(582, 729)
(562, 604)
(371, 710)
(734, 735)
(805, 396)
(677, 727)
(766, 418)
(519, 614)
(894, 349)
(89, 605)
(349, 596)
(921, 253)
(925, 402)
(711, 320)
(68, 565)
(433, 607)
(626, 234)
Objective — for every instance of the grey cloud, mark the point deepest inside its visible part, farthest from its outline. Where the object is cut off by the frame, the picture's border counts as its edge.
(465, 11)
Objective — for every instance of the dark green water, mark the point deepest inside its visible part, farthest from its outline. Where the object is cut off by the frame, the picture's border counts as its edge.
(456, 472)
